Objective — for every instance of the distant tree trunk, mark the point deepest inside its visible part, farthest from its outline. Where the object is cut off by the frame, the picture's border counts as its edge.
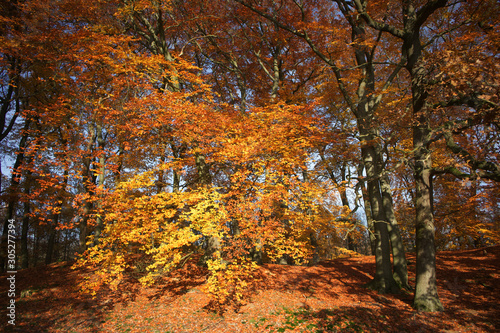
(88, 180)
(176, 178)
(24, 257)
(345, 203)
(314, 245)
(83, 227)
(368, 209)
(100, 182)
(24, 238)
(51, 240)
(212, 243)
(66, 240)
(341, 187)
(36, 246)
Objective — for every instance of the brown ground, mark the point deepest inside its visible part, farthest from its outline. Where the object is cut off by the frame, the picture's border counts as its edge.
(324, 298)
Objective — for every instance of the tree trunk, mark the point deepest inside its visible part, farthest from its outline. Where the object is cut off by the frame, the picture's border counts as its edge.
(368, 209)
(314, 244)
(36, 246)
(51, 241)
(426, 295)
(212, 243)
(398, 250)
(383, 280)
(55, 221)
(88, 180)
(24, 257)
(83, 227)
(351, 245)
(100, 182)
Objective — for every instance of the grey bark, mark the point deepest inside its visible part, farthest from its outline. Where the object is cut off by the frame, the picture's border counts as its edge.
(368, 209)
(100, 182)
(398, 251)
(426, 296)
(24, 256)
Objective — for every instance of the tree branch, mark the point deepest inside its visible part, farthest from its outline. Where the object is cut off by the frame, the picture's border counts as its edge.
(381, 26)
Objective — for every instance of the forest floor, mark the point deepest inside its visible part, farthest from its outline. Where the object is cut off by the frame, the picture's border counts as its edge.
(328, 297)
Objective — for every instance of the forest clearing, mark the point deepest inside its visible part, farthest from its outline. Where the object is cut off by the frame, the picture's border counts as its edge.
(323, 298)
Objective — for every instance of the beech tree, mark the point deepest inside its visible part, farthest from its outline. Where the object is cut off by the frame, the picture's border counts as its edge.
(415, 40)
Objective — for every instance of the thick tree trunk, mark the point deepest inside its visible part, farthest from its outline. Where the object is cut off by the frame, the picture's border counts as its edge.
(426, 295)
(383, 280)
(398, 250)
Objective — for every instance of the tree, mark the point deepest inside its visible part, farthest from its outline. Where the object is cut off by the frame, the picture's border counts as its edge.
(415, 39)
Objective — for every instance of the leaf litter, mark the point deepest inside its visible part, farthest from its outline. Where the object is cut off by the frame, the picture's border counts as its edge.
(328, 297)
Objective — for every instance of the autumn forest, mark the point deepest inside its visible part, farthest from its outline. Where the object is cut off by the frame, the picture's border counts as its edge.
(141, 135)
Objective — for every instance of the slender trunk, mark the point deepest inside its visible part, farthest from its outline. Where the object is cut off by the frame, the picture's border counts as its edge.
(373, 158)
(88, 183)
(24, 257)
(315, 246)
(100, 182)
(66, 241)
(36, 246)
(368, 209)
(83, 226)
(212, 243)
(351, 244)
(51, 241)
(55, 222)
(176, 178)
